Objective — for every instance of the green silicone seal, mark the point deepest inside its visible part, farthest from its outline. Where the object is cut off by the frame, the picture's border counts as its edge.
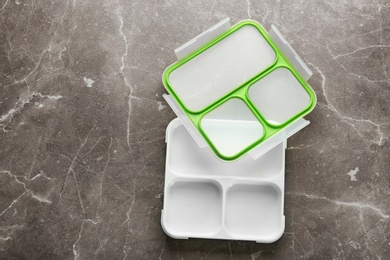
(241, 92)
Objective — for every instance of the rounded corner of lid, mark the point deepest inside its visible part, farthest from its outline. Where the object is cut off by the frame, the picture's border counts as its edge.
(251, 22)
(216, 152)
(313, 98)
(166, 74)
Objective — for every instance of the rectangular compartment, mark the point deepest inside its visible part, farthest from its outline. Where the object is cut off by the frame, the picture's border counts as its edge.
(193, 207)
(254, 210)
(186, 159)
(279, 96)
(213, 73)
(231, 127)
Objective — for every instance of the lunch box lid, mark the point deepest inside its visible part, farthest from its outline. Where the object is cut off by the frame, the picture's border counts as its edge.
(239, 89)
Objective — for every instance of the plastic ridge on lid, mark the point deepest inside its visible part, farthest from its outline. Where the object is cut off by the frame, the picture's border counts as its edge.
(240, 82)
(289, 52)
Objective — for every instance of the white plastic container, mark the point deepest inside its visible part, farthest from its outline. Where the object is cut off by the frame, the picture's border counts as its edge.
(205, 197)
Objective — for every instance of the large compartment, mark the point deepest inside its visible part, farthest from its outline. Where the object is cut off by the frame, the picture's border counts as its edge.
(186, 159)
(221, 68)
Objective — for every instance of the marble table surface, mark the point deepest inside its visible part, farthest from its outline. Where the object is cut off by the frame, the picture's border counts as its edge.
(82, 125)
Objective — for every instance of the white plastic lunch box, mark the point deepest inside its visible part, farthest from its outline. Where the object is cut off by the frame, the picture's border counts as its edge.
(206, 196)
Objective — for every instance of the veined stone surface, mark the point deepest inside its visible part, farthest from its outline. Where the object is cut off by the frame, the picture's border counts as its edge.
(82, 128)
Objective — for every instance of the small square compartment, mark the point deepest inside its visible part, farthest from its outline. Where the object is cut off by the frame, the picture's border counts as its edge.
(254, 210)
(279, 96)
(231, 127)
(193, 207)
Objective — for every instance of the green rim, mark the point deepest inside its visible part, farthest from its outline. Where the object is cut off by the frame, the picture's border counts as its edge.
(241, 91)
(243, 151)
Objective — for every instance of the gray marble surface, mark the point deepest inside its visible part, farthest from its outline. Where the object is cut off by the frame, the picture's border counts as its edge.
(82, 124)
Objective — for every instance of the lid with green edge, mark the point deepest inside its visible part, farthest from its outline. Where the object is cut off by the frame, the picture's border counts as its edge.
(238, 90)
